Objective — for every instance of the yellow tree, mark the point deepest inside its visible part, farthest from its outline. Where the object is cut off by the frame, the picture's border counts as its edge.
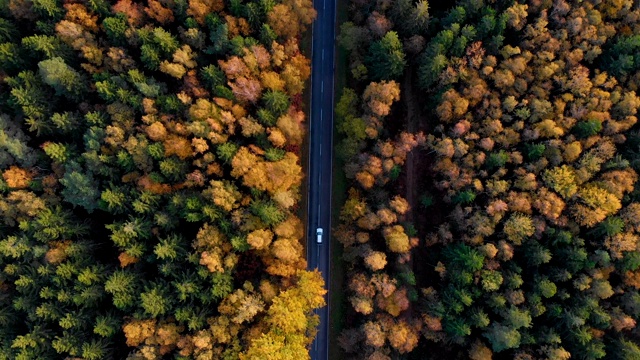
(397, 240)
(595, 205)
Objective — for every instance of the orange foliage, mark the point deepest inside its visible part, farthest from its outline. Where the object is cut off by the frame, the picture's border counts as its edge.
(403, 337)
(17, 178)
(137, 331)
(177, 145)
(133, 11)
(78, 14)
(200, 8)
(147, 184)
(156, 131)
(126, 259)
(156, 11)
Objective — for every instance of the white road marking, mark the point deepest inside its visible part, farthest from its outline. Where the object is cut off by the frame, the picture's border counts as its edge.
(322, 87)
(322, 55)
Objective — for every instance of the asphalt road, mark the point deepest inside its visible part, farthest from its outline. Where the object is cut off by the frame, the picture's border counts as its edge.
(321, 157)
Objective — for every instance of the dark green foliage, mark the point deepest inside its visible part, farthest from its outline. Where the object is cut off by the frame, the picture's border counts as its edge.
(266, 117)
(213, 76)
(227, 151)
(115, 27)
(395, 172)
(534, 151)
(274, 154)
(587, 128)
(386, 58)
(267, 36)
(276, 102)
(497, 160)
(150, 56)
(219, 36)
(80, 188)
(631, 261)
(621, 56)
(464, 197)
(609, 227)
(268, 212)
(463, 257)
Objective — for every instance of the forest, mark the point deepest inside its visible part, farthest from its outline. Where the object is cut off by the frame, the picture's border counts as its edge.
(150, 161)
(492, 154)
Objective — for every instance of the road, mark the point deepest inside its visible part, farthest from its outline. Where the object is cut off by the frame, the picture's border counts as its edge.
(321, 157)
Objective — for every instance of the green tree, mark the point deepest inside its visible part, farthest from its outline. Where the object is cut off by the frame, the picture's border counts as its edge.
(502, 337)
(122, 286)
(64, 79)
(155, 300)
(277, 102)
(386, 58)
(115, 28)
(80, 188)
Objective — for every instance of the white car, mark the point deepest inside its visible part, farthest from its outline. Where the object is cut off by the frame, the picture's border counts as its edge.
(319, 234)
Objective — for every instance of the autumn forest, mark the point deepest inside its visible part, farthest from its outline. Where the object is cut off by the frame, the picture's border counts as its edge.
(150, 159)
(153, 177)
(492, 156)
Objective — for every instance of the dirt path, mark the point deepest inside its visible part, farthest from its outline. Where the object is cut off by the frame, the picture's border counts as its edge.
(413, 124)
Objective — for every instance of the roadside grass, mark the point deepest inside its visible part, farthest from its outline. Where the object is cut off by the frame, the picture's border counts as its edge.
(338, 299)
(303, 214)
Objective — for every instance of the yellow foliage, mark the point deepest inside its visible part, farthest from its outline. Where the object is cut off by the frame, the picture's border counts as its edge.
(402, 337)
(173, 69)
(223, 194)
(184, 56)
(20, 205)
(242, 305)
(287, 250)
(374, 334)
(209, 237)
(399, 205)
(549, 129)
(291, 227)
(250, 127)
(272, 177)
(562, 180)
(202, 110)
(260, 239)
(271, 80)
(518, 227)
(397, 240)
(137, 331)
(375, 260)
(212, 260)
(572, 151)
(242, 162)
(290, 125)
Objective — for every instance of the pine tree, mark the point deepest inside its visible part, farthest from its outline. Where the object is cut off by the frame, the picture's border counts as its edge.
(386, 58)
(64, 79)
